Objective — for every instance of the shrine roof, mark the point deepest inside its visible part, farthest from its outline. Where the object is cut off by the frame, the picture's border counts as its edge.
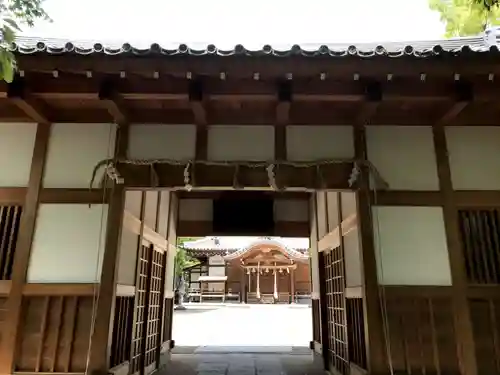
(456, 46)
(234, 244)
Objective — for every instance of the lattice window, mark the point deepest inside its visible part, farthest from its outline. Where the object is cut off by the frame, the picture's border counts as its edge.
(155, 306)
(10, 218)
(336, 314)
(480, 232)
(140, 310)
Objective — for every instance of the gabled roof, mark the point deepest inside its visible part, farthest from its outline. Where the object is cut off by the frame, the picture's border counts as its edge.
(447, 47)
(278, 242)
(234, 244)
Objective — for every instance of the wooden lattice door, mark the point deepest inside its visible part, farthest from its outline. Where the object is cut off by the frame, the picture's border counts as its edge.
(148, 311)
(335, 309)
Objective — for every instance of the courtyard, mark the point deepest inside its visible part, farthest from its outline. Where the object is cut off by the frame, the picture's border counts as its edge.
(240, 327)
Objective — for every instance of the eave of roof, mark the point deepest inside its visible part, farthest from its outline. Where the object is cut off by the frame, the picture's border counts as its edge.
(419, 49)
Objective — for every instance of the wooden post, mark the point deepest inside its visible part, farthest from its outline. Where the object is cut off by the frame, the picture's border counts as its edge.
(374, 333)
(292, 285)
(461, 314)
(23, 250)
(103, 325)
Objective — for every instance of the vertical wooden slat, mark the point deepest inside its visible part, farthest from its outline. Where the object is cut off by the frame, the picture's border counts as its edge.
(23, 250)
(461, 314)
(70, 333)
(102, 335)
(435, 350)
(8, 256)
(494, 329)
(55, 349)
(5, 218)
(41, 339)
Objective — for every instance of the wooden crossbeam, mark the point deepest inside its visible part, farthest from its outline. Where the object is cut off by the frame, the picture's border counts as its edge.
(19, 95)
(464, 96)
(332, 176)
(113, 102)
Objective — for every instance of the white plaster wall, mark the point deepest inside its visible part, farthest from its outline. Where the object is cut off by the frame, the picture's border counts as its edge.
(411, 246)
(17, 142)
(474, 153)
(128, 257)
(332, 208)
(74, 150)
(291, 210)
(195, 209)
(176, 142)
(352, 259)
(216, 259)
(68, 244)
(239, 142)
(305, 143)
(321, 214)
(404, 156)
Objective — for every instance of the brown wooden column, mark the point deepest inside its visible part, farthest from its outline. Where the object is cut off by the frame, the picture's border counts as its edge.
(243, 284)
(23, 250)
(103, 325)
(292, 285)
(461, 313)
(374, 333)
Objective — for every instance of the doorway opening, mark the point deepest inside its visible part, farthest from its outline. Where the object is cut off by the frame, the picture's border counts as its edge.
(244, 284)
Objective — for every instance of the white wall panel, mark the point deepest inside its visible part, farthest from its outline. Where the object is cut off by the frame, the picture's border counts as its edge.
(74, 150)
(128, 257)
(176, 142)
(352, 258)
(404, 156)
(319, 142)
(195, 209)
(17, 142)
(411, 246)
(313, 250)
(291, 210)
(69, 244)
(238, 142)
(474, 153)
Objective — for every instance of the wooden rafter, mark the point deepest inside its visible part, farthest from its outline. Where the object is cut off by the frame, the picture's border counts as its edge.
(19, 95)
(464, 96)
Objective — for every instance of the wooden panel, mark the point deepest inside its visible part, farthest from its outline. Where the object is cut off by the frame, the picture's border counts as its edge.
(163, 213)
(480, 232)
(54, 334)
(316, 320)
(356, 331)
(485, 316)
(336, 319)
(151, 209)
(168, 311)
(122, 330)
(421, 333)
(10, 218)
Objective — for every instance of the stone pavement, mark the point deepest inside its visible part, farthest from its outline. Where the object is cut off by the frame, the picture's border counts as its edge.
(243, 364)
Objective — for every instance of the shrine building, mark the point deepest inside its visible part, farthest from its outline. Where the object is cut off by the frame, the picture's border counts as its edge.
(249, 270)
(386, 157)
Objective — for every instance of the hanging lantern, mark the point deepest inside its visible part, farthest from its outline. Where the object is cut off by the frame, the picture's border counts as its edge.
(280, 270)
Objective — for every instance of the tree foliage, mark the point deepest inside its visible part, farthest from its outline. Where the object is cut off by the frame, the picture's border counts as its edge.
(467, 17)
(182, 260)
(14, 13)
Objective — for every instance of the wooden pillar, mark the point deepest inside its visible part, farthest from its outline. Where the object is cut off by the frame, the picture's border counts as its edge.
(100, 348)
(292, 285)
(23, 250)
(374, 332)
(461, 313)
(243, 297)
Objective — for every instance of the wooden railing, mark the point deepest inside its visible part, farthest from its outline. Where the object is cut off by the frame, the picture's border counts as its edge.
(10, 217)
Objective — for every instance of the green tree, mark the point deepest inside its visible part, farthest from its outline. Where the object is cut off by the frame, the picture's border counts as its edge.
(182, 259)
(14, 13)
(467, 17)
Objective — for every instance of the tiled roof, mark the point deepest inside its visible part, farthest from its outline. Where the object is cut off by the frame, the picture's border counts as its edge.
(450, 47)
(234, 244)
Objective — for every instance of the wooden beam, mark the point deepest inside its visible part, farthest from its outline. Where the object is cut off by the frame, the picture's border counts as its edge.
(462, 320)
(99, 355)
(464, 96)
(113, 102)
(374, 334)
(16, 196)
(241, 67)
(333, 176)
(13, 304)
(18, 94)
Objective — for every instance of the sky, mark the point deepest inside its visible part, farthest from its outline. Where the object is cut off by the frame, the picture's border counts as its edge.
(230, 22)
